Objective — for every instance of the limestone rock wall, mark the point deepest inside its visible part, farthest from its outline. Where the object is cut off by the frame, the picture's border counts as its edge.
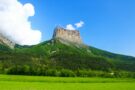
(7, 42)
(69, 35)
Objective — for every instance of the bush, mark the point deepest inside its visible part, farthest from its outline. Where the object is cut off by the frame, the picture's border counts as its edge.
(51, 72)
(124, 74)
(67, 73)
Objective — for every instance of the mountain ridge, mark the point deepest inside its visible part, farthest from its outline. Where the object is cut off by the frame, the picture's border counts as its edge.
(63, 54)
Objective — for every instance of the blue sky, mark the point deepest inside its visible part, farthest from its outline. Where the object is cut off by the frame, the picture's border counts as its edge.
(109, 24)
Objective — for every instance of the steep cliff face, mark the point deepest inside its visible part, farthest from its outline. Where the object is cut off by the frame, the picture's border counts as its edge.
(67, 35)
(6, 42)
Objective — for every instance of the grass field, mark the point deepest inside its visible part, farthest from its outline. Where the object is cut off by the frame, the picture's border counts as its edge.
(11, 82)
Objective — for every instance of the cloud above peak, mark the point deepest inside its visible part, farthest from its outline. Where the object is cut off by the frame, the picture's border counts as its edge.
(75, 26)
(70, 27)
(14, 23)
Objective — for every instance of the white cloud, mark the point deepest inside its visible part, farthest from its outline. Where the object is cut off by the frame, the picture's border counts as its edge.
(75, 26)
(14, 22)
(79, 24)
(70, 27)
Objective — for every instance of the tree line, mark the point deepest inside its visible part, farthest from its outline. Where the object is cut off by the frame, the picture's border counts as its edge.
(42, 71)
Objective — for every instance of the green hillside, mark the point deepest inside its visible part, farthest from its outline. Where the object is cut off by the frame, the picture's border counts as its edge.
(62, 59)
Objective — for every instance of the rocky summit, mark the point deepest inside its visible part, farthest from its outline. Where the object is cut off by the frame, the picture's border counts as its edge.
(67, 35)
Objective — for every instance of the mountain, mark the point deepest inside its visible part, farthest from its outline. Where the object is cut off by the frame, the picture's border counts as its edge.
(65, 50)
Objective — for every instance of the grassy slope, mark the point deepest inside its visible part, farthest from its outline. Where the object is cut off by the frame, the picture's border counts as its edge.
(9, 82)
(70, 56)
(55, 54)
(120, 61)
(71, 53)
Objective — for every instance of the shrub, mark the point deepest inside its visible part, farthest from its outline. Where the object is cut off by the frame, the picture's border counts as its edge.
(67, 73)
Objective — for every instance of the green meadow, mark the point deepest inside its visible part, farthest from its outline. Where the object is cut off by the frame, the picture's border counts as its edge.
(12, 82)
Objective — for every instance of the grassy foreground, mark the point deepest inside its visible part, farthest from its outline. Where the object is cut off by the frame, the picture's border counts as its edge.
(11, 82)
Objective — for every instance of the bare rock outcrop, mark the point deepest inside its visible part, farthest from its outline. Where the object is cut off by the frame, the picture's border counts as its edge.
(6, 42)
(67, 35)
